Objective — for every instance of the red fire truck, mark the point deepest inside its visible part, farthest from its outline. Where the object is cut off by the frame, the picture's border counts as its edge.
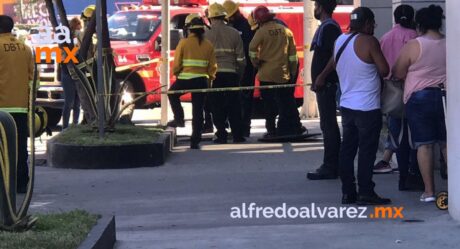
(136, 36)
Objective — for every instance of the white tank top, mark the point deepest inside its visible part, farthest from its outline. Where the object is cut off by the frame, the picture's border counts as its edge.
(359, 81)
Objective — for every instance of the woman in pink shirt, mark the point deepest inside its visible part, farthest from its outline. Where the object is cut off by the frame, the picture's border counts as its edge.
(422, 64)
(392, 44)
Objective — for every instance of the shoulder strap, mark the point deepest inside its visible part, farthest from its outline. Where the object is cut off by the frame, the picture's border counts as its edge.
(339, 53)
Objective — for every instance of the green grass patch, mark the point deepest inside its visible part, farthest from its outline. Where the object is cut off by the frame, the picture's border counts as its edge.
(64, 231)
(122, 135)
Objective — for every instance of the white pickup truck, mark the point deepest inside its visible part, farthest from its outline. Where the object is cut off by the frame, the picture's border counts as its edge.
(50, 94)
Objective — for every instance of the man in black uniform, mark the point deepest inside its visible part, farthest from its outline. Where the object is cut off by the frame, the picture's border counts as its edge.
(240, 23)
(323, 46)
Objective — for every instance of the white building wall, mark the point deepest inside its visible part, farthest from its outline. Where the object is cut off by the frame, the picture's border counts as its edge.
(383, 10)
(453, 103)
(383, 14)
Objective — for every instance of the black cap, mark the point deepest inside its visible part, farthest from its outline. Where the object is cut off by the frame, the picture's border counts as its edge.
(362, 14)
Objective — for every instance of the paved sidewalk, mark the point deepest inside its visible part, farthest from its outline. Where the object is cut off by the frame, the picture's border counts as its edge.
(187, 202)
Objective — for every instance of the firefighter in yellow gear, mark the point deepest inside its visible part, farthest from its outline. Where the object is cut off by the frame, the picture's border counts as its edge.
(273, 52)
(16, 70)
(195, 68)
(87, 13)
(237, 20)
(231, 63)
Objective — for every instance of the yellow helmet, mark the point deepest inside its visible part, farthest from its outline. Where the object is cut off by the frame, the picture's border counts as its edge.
(194, 21)
(41, 121)
(87, 13)
(252, 23)
(231, 8)
(216, 10)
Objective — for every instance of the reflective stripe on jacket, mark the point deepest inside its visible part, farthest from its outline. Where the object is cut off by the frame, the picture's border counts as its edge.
(228, 47)
(273, 51)
(194, 60)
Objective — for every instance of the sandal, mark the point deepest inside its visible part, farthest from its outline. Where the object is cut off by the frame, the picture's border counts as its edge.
(430, 198)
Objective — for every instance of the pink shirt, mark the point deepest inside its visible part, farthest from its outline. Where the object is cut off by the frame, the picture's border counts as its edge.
(429, 70)
(394, 40)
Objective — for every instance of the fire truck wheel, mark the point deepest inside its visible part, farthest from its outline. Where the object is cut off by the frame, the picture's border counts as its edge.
(54, 116)
(127, 96)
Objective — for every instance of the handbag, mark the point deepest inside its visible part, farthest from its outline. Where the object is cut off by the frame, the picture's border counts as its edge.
(392, 98)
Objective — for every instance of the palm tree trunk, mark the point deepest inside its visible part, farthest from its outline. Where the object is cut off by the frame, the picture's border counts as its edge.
(89, 112)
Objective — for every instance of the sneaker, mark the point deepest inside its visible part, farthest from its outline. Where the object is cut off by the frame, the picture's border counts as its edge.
(373, 199)
(175, 123)
(382, 167)
(427, 198)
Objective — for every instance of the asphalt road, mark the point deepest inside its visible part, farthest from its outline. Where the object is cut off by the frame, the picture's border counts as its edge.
(187, 203)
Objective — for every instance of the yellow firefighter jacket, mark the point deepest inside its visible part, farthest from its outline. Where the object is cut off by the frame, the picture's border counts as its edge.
(273, 52)
(16, 72)
(194, 60)
(228, 47)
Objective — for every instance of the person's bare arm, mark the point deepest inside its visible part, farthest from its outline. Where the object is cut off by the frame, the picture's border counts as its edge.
(378, 57)
(404, 60)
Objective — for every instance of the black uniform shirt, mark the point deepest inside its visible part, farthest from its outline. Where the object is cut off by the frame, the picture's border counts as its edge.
(324, 52)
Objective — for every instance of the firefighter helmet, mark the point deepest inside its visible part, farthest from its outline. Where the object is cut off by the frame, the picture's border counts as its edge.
(231, 8)
(216, 10)
(252, 23)
(262, 14)
(87, 13)
(194, 21)
(41, 121)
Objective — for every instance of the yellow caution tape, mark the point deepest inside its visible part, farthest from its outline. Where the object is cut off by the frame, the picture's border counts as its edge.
(213, 90)
(144, 63)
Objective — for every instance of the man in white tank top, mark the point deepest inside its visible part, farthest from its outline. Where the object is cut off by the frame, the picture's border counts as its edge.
(360, 64)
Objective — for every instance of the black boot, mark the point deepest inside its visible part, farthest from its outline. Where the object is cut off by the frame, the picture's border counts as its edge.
(322, 173)
(372, 199)
(176, 123)
(194, 146)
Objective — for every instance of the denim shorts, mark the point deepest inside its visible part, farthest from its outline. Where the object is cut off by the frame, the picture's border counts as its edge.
(425, 116)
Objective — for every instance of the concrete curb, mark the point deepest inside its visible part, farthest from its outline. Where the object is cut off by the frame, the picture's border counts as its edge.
(110, 157)
(173, 141)
(102, 236)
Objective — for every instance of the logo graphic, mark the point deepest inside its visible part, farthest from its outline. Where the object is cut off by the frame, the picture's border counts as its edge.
(48, 53)
(387, 213)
